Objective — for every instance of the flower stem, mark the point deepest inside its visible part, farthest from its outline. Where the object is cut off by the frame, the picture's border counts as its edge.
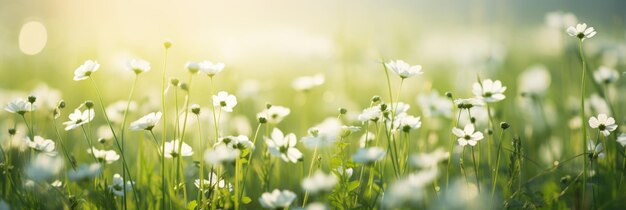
(582, 117)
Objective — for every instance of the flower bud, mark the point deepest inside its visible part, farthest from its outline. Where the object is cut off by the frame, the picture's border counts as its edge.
(262, 120)
(32, 99)
(167, 43)
(268, 106)
(12, 131)
(375, 99)
(449, 94)
(61, 104)
(343, 111)
(504, 125)
(89, 104)
(195, 108)
(174, 81)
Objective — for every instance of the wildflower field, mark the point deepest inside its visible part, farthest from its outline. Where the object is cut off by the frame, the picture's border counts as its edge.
(303, 105)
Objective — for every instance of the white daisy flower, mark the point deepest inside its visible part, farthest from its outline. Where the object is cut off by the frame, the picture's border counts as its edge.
(104, 156)
(84, 71)
(621, 139)
(581, 31)
(19, 106)
(425, 160)
(171, 149)
(324, 134)
(277, 199)
(146, 122)
(275, 114)
(468, 135)
(535, 80)
(307, 83)
(404, 69)
(117, 185)
(225, 101)
(603, 123)
(434, 105)
(240, 142)
(560, 20)
(43, 167)
(79, 118)
(283, 146)
(406, 123)
(606, 75)
(40, 144)
(366, 138)
(595, 150)
(116, 110)
(489, 91)
(369, 155)
(210, 69)
(210, 181)
(370, 114)
(221, 154)
(345, 172)
(319, 182)
(85, 172)
(138, 66)
(410, 189)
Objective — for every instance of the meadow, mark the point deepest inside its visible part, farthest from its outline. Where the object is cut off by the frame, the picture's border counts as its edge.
(519, 125)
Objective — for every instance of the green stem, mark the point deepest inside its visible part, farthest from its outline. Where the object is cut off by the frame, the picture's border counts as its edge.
(476, 170)
(164, 138)
(582, 117)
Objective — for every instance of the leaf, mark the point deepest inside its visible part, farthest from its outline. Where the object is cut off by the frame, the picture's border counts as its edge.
(192, 205)
(353, 185)
(246, 200)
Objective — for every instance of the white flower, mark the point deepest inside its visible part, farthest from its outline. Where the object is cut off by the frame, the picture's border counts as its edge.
(116, 110)
(404, 69)
(345, 172)
(407, 122)
(225, 101)
(210, 182)
(171, 149)
(221, 154)
(595, 150)
(603, 123)
(399, 107)
(104, 156)
(56, 183)
(146, 122)
(307, 83)
(44, 167)
(283, 146)
(324, 134)
(426, 160)
(535, 80)
(210, 69)
(79, 118)
(606, 75)
(466, 103)
(84, 71)
(369, 155)
(489, 91)
(365, 138)
(85, 171)
(581, 31)
(138, 66)
(467, 135)
(316, 206)
(117, 185)
(621, 139)
(319, 182)
(370, 114)
(275, 114)
(277, 199)
(240, 142)
(560, 20)
(19, 106)
(41, 145)
(434, 105)
(410, 189)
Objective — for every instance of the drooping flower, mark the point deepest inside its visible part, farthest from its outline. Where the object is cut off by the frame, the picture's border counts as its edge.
(369, 155)
(138, 66)
(104, 156)
(595, 150)
(403, 69)
(19, 106)
(489, 90)
(468, 135)
(146, 122)
(41, 144)
(606, 75)
(117, 185)
(79, 118)
(225, 101)
(210, 69)
(283, 146)
(84, 71)
(319, 182)
(277, 199)
(603, 123)
(581, 31)
(307, 83)
(171, 149)
(274, 114)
